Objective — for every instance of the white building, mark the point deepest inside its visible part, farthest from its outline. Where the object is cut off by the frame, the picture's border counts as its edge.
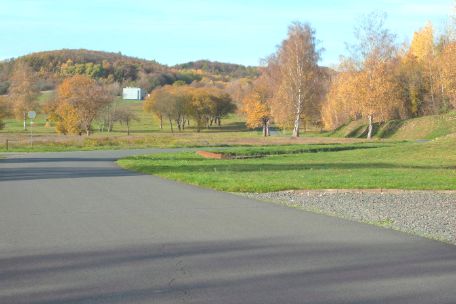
(133, 94)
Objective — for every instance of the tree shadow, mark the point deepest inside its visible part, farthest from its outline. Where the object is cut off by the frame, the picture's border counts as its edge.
(238, 271)
(59, 167)
(242, 166)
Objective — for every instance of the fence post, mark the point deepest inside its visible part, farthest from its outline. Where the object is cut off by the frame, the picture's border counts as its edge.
(7, 144)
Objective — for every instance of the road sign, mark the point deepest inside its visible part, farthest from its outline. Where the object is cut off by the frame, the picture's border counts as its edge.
(31, 114)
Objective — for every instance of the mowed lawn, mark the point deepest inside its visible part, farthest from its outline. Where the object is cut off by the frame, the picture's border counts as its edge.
(404, 165)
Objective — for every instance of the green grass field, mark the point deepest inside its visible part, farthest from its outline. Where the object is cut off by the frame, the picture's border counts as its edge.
(401, 165)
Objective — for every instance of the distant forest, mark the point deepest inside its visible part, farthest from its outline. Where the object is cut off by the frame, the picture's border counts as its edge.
(54, 66)
(219, 68)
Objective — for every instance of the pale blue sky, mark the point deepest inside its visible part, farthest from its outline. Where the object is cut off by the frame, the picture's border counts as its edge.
(177, 31)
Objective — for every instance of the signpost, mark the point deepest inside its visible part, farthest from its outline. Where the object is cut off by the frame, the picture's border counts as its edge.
(31, 115)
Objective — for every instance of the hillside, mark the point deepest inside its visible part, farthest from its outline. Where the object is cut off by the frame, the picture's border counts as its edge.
(220, 68)
(53, 66)
(426, 127)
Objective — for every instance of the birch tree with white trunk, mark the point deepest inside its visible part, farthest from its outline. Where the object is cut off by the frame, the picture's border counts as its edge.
(296, 69)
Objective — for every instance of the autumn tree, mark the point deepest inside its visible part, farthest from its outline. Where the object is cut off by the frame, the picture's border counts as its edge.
(411, 79)
(23, 91)
(152, 105)
(423, 51)
(447, 63)
(256, 105)
(4, 110)
(223, 105)
(178, 103)
(79, 101)
(171, 102)
(378, 94)
(371, 90)
(339, 107)
(202, 107)
(296, 70)
(238, 89)
(125, 116)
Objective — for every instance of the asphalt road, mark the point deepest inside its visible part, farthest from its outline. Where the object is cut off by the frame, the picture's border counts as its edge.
(75, 228)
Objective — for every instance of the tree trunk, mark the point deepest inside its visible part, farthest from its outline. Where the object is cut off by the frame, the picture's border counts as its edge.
(161, 122)
(87, 132)
(431, 83)
(128, 129)
(266, 128)
(171, 124)
(25, 121)
(369, 132)
(296, 126)
(298, 115)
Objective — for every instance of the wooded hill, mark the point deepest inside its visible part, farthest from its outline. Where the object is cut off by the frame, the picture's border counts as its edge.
(220, 68)
(53, 66)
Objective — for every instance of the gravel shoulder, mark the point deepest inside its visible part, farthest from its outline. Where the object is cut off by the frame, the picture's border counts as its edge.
(424, 213)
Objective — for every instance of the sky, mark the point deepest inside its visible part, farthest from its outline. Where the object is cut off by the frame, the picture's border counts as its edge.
(178, 31)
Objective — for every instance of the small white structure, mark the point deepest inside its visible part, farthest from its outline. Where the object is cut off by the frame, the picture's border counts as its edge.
(133, 94)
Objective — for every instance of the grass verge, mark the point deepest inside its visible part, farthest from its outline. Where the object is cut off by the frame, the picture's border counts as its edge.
(404, 165)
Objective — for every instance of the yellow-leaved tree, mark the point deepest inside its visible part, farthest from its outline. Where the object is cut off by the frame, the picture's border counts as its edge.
(4, 110)
(367, 85)
(256, 106)
(447, 65)
(23, 91)
(297, 77)
(339, 108)
(423, 50)
(78, 102)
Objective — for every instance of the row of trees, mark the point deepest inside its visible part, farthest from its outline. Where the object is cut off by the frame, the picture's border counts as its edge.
(378, 81)
(80, 101)
(381, 81)
(77, 103)
(179, 103)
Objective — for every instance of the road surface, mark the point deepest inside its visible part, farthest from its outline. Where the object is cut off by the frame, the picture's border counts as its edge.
(75, 228)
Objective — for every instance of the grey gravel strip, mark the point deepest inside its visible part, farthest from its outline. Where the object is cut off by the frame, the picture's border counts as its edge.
(425, 213)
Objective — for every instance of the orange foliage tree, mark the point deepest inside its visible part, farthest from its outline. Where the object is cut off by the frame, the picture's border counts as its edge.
(368, 86)
(23, 91)
(79, 101)
(447, 65)
(256, 106)
(4, 111)
(297, 77)
(338, 108)
(178, 103)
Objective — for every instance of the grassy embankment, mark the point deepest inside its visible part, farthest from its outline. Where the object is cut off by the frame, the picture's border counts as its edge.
(401, 165)
(426, 127)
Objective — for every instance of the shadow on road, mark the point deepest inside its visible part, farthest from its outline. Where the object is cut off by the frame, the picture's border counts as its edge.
(21, 169)
(249, 271)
